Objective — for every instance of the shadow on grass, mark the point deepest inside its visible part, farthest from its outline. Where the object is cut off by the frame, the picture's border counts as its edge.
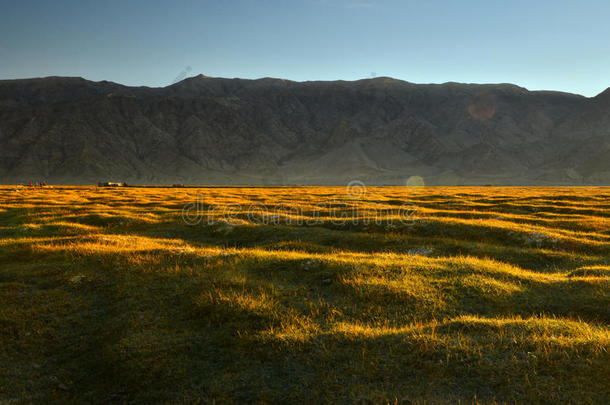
(139, 328)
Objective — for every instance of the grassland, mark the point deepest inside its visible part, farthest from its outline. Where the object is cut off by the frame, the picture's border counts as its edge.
(305, 295)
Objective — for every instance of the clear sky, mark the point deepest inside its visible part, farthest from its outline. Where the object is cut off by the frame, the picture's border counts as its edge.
(539, 44)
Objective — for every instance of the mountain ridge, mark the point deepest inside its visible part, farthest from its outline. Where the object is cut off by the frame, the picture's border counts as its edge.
(205, 130)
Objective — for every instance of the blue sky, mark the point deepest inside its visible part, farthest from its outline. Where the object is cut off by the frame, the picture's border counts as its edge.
(538, 44)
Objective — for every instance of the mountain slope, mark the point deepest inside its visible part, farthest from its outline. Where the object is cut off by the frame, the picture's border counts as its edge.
(271, 131)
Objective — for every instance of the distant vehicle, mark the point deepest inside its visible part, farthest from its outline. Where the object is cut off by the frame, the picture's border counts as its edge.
(111, 184)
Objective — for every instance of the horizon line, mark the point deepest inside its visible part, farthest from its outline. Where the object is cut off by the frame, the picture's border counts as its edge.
(203, 76)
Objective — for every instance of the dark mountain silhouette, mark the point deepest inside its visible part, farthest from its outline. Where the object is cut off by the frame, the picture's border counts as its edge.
(270, 131)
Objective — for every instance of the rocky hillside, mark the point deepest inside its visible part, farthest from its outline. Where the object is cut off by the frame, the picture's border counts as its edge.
(271, 131)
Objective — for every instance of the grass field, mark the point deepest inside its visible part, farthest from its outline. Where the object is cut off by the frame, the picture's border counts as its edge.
(305, 295)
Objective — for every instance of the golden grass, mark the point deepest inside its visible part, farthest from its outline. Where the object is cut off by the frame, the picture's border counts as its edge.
(307, 295)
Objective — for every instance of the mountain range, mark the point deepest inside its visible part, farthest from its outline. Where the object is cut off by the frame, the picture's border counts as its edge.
(205, 130)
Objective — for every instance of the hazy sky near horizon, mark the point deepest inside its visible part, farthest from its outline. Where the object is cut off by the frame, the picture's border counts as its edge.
(554, 45)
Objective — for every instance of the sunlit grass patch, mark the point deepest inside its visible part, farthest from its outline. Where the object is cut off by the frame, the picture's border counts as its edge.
(591, 271)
